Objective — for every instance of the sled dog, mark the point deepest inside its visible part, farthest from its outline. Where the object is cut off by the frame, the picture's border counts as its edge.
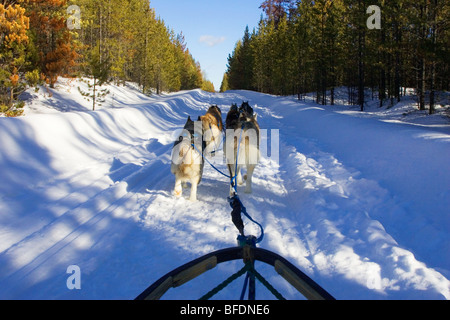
(242, 144)
(245, 107)
(212, 129)
(187, 162)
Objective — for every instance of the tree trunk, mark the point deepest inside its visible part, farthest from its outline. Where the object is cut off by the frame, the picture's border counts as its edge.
(397, 63)
(11, 98)
(93, 99)
(332, 96)
(421, 69)
(433, 64)
(382, 87)
(421, 83)
(361, 45)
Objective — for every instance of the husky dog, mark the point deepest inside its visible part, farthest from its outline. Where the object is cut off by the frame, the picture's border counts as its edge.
(212, 129)
(235, 112)
(245, 107)
(187, 162)
(242, 144)
(232, 117)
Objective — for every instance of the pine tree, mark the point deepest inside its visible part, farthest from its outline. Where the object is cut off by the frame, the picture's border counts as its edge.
(303, 37)
(247, 61)
(263, 48)
(138, 45)
(224, 85)
(439, 48)
(13, 39)
(275, 10)
(53, 40)
(335, 30)
(234, 67)
(208, 86)
(99, 69)
(320, 50)
(191, 74)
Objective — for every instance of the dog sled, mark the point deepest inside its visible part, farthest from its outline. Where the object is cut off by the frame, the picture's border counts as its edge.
(246, 250)
(248, 253)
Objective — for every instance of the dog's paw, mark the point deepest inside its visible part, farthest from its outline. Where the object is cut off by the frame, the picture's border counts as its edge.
(177, 193)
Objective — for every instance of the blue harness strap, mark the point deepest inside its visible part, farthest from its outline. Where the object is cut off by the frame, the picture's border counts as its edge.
(203, 156)
(238, 208)
(235, 202)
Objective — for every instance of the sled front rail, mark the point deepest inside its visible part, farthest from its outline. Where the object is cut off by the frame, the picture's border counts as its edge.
(305, 285)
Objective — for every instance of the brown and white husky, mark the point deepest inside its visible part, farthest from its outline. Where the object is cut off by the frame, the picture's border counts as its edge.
(212, 129)
(242, 144)
(187, 161)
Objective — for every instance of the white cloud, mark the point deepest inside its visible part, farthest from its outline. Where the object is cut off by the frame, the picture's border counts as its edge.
(211, 41)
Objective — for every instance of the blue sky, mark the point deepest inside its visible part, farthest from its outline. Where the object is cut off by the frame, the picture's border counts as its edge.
(211, 28)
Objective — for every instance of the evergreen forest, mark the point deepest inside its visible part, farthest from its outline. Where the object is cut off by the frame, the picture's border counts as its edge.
(317, 46)
(112, 40)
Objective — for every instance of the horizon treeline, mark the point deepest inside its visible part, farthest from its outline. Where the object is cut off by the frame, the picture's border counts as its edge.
(317, 46)
(113, 40)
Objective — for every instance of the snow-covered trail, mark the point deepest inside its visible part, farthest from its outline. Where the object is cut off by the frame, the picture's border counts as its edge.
(93, 189)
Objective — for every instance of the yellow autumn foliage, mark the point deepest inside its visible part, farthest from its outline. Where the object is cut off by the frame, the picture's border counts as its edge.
(13, 25)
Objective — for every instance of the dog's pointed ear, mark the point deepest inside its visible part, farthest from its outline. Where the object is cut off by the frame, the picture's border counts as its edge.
(199, 118)
(255, 116)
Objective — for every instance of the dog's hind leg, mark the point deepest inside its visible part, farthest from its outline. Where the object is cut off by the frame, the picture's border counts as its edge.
(194, 183)
(250, 169)
(239, 180)
(178, 190)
